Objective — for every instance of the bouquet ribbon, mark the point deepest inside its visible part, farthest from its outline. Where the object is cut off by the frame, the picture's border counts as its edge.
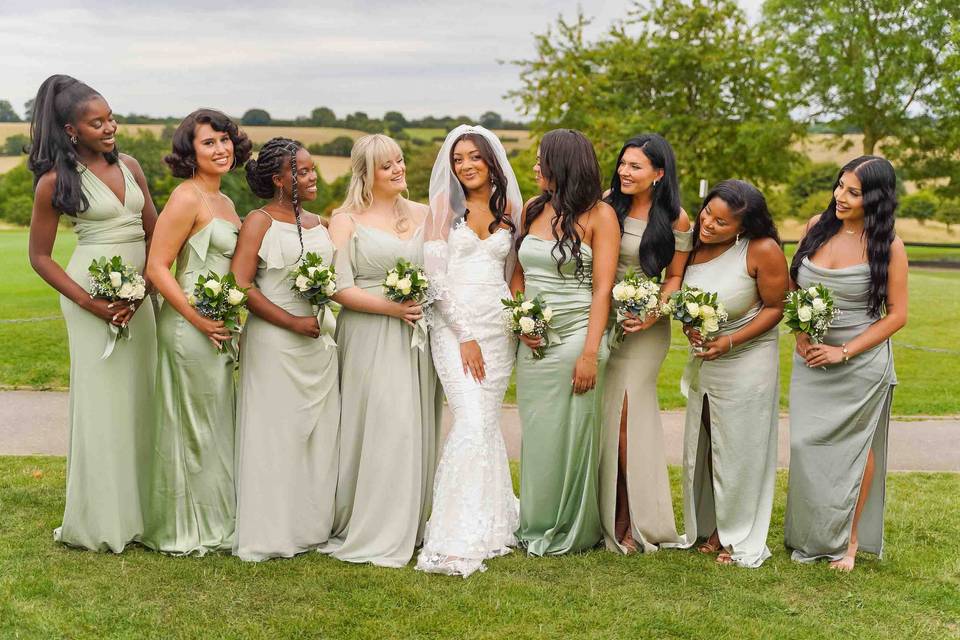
(618, 334)
(419, 338)
(328, 325)
(116, 333)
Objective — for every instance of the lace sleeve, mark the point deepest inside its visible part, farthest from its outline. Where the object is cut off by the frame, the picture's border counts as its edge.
(445, 303)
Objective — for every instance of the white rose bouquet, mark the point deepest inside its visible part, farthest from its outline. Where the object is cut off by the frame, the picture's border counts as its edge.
(635, 295)
(810, 311)
(698, 309)
(316, 282)
(530, 318)
(115, 281)
(219, 298)
(405, 282)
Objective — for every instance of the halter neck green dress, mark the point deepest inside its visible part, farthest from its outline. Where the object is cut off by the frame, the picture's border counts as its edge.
(559, 456)
(110, 398)
(192, 501)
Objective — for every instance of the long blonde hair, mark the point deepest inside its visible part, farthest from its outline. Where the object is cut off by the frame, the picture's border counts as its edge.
(367, 153)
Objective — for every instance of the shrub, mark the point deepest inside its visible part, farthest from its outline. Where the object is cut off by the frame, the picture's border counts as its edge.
(921, 206)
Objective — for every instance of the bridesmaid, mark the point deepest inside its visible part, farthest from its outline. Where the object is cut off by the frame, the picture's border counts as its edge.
(289, 402)
(635, 504)
(838, 458)
(79, 173)
(390, 395)
(192, 496)
(567, 252)
(730, 438)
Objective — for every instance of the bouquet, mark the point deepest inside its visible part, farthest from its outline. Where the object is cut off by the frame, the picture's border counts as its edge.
(530, 318)
(637, 295)
(698, 309)
(810, 311)
(219, 298)
(113, 280)
(316, 282)
(405, 282)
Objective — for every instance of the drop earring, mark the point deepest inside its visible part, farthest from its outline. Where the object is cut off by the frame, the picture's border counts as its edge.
(74, 139)
(738, 238)
(280, 196)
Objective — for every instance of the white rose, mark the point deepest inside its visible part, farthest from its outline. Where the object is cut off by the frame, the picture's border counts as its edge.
(706, 311)
(653, 301)
(693, 309)
(630, 291)
(813, 292)
(619, 293)
(115, 279)
(312, 271)
(819, 304)
(302, 282)
(547, 314)
(235, 297)
(392, 279)
(526, 306)
(404, 285)
(710, 325)
(213, 287)
(192, 300)
(330, 288)
(805, 313)
(527, 324)
(139, 291)
(126, 291)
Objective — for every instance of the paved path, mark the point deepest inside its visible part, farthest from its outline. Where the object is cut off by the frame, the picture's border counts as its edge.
(34, 422)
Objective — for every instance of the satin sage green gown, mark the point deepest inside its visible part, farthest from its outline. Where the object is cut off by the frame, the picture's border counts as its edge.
(391, 403)
(729, 472)
(110, 398)
(192, 503)
(837, 415)
(632, 378)
(288, 413)
(559, 455)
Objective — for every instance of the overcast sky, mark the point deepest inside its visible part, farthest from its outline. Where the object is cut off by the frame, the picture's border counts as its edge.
(420, 57)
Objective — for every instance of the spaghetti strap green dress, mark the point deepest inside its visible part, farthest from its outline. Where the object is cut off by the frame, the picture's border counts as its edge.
(110, 398)
(560, 447)
(192, 503)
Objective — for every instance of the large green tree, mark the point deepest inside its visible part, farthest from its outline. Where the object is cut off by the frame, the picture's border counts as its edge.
(7, 114)
(256, 117)
(692, 70)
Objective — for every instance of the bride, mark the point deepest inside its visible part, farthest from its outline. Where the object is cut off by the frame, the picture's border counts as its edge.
(468, 254)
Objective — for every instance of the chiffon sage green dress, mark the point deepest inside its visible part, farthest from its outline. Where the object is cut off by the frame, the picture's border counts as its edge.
(192, 503)
(110, 398)
(559, 454)
(632, 378)
(391, 405)
(837, 415)
(288, 413)
(729, 472)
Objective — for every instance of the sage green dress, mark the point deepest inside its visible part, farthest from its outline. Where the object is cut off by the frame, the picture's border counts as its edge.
(730, 472)
(559, 454)
(288, 413)
(110, 398)
(632, 377)
(391, 405)
(837, 415)
(192, 503)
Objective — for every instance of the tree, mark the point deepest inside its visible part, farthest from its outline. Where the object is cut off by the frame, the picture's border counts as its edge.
(949, 213)
(256, 117)
(811, 178)
(14, 145)
(921, 206)
(491, 120)
(7, 114)
(323, 117)
(28, 110)
(395, 117)
(873, 64)
(691, 70)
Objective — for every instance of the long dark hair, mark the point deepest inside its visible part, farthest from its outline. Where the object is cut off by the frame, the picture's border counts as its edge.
(657, 244)
(747, 204)
(58, 103)
(879, 182)
(276, 153)
(498, 194)
(568, 161)
(182, 159)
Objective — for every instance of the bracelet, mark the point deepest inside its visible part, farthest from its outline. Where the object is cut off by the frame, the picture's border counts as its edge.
(846, 354)
(730, 338)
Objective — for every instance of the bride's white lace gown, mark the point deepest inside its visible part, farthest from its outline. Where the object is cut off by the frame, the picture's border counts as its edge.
(475, 511)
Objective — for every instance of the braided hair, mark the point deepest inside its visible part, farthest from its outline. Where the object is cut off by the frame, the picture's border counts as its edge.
(276, 153)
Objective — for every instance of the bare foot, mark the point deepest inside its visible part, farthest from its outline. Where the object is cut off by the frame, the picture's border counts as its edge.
(712, 545)
(846, 563)
(724, 558)
(628, 543)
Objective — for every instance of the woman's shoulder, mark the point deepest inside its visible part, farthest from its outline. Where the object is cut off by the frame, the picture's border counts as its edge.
(682, 223)
(417, 211)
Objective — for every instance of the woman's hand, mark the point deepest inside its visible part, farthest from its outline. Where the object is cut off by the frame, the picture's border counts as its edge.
(803, 343)
(693, 336)
(584, 374)
(115, 313)
(472, 359)
(715, 348)
(821, 355)
(532, 341)
(306, 326)
(633, 324)
(213, 329)
(409, 311)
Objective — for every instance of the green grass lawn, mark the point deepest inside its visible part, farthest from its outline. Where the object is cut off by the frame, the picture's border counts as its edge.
(49, 591)
(34, 354)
